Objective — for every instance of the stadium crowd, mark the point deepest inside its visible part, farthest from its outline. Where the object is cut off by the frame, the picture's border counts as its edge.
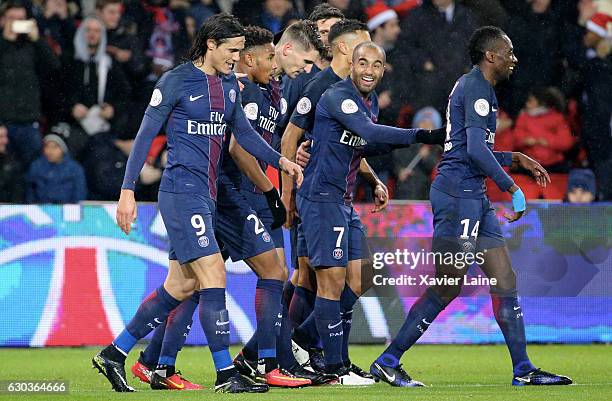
(76, 76)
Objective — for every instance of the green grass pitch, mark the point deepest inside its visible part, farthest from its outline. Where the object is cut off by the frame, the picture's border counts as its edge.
(451, 372)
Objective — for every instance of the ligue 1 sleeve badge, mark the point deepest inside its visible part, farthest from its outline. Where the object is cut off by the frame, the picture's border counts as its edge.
(156, 98)
(481, 106)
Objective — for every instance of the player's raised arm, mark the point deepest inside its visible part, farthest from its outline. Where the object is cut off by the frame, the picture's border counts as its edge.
(162, 101)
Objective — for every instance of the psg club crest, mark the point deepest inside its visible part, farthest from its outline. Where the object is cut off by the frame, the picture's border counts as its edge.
(338, 253)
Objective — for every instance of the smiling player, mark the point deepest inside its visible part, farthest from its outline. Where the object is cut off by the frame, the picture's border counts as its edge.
(464, 220)
(344, 131)
(196, 102)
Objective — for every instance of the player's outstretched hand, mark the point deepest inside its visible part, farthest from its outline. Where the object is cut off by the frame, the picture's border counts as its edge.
(126, 210)
(519, 204)
(279, 213)
(302, 156)
(539, 173)
(381, 197)
(292, 169)
(432, 137)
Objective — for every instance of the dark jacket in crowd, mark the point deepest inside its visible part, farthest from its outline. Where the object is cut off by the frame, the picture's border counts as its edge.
(56, 182)
(427, 36)
(538, 44)
(11, 179)
(23, 66)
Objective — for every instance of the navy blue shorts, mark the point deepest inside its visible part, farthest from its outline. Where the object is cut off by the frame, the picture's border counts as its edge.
(190, 223)
(239, 228)
(333, 233)
(462, 224)
(259, 203)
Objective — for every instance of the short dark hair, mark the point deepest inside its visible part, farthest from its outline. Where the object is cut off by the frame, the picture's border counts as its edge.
(482, 40)
(369, 45)
(550, 97)
(256, 36)
(325, 11)
(7, 5)
(219, 28)
(100, 4)
(305, 34)
(345, 26)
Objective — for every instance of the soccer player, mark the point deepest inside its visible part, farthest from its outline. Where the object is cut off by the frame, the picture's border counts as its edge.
(247, 225)
(245, 220)
(463, 217)
(344, 36)
(343, 133)
(195, 102)
(302, 301)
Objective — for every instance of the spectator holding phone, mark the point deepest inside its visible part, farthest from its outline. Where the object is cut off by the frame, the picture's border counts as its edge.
(25, 63)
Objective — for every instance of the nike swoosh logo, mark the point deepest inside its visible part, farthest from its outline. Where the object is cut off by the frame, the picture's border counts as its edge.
(522, 379)
(389, 377)
(493, 110)
(426, 322)
(517, 308)
(331, 326)
(178, 386)
(222, 323)
(156, 320)
(194, 98)
(280, 315)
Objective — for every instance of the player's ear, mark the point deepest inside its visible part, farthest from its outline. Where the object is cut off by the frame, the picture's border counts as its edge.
(344, 48)
(287, 49)
(489, 56)
(248, 59)
(211, 44)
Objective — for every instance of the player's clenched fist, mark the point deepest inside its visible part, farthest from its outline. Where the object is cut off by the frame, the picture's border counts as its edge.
(292, 169)
(126, 210)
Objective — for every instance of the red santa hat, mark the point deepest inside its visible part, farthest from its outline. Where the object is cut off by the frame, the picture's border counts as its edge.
(378, 14)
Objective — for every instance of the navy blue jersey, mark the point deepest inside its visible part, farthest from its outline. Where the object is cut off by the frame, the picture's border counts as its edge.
(196, 110)
(344, 132)
(472, 104)
(262, 107)
(336, 152)
(292, 90)
(304, 113)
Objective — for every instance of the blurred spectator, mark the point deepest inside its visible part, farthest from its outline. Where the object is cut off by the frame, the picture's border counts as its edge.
(96, 87)
(104, 160)
(162, 30)
(581, 187)
(55, 177)
(542, 132)
(276, 15)
(383, 24)
(414, 165)
(597, 72)
(126, 49)
(401, 7)
(537, 36)
(121, 40)
(12, 186)
(200, 10)
(57, 26)
(433, 42)
(25, 62)
(350, 8)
